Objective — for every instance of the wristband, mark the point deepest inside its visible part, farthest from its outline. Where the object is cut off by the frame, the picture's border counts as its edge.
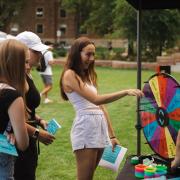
(112, 137)
(36, 134)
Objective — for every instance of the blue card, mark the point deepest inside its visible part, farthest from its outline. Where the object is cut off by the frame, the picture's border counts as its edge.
(53, 126)
(110, 156)
(6, 147)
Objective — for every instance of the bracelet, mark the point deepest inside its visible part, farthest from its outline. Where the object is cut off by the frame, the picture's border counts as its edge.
(112, 137)
(35, 134)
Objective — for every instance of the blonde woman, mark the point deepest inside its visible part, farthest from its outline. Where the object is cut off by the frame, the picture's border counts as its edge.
(13, 55)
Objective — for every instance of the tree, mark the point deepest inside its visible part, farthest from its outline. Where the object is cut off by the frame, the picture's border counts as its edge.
(92, 15)
(125, 19)
(81, 9)
(159, 27)
(8, 9)
(160, 30)
(100, 19)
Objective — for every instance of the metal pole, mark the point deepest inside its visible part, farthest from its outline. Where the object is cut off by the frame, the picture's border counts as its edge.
(138, 125)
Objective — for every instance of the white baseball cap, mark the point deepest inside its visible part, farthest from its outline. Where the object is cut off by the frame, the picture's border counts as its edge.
(32, 41)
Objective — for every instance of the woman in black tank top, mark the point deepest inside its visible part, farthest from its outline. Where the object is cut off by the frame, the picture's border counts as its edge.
(32, 98)
(28, 159)
(26, 164)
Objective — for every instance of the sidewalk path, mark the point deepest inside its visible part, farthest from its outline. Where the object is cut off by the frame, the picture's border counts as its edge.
(114, 64)
(123, 64)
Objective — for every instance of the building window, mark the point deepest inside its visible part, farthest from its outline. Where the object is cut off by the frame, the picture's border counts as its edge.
(39, 28)
(63, 28)
(39, 12)
(62, 13)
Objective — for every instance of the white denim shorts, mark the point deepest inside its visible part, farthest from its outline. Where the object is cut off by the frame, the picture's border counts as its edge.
(89, 130)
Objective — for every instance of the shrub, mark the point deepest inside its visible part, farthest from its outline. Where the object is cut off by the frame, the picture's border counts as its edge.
(59, 52)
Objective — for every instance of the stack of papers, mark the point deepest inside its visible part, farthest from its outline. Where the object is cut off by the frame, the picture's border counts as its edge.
(112, 159)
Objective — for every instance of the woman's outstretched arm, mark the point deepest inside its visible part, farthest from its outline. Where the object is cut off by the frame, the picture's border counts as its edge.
(72, 82)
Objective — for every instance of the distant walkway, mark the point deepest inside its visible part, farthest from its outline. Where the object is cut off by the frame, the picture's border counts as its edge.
(116, 64)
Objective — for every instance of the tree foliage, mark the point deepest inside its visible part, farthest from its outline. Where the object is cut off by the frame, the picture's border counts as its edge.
(159, 27)
(8, 8)
(81, 8)
(100, 19)
(93, 15)
(160, 30)
(125, 18)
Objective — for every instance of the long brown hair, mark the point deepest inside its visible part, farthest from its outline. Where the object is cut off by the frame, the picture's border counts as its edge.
(74, 63)
(12, 64)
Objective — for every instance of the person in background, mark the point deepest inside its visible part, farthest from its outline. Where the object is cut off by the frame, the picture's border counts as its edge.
(47, 74)
(13, 56)
(176, 162)
(26, 163)
(92, 130)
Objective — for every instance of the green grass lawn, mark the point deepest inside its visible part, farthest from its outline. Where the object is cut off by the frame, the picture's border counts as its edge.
(56, 161)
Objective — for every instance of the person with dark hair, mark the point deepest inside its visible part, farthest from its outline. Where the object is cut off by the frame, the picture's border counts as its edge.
(13, 56)
(92, 130)
(26, 163)
(176, 162)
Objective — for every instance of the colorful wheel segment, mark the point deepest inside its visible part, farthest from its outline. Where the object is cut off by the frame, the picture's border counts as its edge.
(160, 114)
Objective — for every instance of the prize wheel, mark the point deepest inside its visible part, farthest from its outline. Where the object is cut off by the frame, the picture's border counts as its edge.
(160, 114)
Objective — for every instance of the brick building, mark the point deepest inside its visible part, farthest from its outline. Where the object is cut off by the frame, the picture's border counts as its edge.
(47, 19)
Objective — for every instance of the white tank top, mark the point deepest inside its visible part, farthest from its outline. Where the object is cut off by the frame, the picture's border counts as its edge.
(80, 103)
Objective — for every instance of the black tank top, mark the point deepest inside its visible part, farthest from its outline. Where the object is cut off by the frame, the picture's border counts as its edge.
(32, 98)
(7, 96)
